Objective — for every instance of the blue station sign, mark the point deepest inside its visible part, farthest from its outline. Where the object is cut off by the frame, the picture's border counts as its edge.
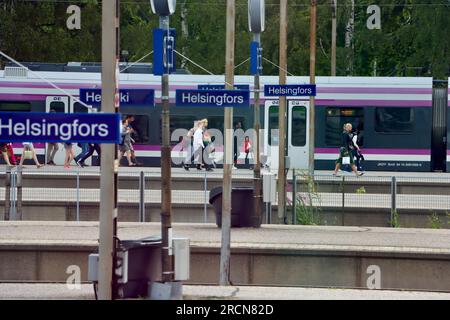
(291, 90)
(222, 87)
(128, 97)
(212, 98)
(60, 127)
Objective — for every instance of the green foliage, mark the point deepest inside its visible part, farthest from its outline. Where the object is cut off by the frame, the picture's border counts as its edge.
(395, 219)
(307, 208)
(413, 40)
(435, 221)
(361, 190)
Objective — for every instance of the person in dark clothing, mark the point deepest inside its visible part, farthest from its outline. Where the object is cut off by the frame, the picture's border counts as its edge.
(235, 145)
(346, 151)
(92, 147)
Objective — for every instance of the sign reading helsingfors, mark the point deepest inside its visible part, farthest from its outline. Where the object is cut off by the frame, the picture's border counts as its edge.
(59, 127)
(212, 98)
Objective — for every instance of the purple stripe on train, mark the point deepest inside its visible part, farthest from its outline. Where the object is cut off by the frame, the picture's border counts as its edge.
(379, 151)
(319, 102)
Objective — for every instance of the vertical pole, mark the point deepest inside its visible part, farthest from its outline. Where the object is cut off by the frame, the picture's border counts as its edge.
(109, 162)
(312, 80)
(78, 196)
(141, 197)
(343, 200)
(393, 198)
(257, 187)
(282, 115)
(228, 150)
(19, 194)
(166, 192)
(333, 37)
(294, 198)
(205, 200)
(7, 193)
(13, 196)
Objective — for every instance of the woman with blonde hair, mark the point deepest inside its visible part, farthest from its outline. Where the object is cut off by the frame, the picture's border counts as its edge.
(346, 151)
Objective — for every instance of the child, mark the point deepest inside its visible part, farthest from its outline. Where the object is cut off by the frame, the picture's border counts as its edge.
(247, 148)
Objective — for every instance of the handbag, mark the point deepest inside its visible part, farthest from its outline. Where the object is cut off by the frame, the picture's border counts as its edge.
(346, 160)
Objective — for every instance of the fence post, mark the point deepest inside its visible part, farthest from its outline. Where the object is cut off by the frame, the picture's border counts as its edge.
(343, 200)
(294, 197)
(78, 195)
(7, 192)
(393, 198)
(19, 193)
(205, 213)
(141, 197)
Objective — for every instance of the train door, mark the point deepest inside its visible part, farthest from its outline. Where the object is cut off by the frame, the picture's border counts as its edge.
(297, 134)
(59, 104)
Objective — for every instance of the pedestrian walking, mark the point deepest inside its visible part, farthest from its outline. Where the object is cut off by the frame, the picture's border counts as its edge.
(346, 151)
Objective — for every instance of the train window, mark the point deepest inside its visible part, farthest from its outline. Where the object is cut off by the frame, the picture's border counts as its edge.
(79, 108)
(13, 106)
(273, 125)
(58, 106)
(336, 117)
(141, 130)
(394, 120)
(298, 126)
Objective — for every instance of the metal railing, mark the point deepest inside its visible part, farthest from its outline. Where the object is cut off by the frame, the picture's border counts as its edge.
(51, 193)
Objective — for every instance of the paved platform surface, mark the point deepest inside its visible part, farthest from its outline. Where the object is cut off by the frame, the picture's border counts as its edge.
(359, 239)
(218, 172)
(46, 291)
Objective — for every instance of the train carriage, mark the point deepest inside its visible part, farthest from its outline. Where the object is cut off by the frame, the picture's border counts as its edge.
(396, 116)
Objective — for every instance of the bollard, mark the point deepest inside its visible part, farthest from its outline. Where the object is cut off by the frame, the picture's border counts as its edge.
(141, 197)
(19, 193)
(7, 192)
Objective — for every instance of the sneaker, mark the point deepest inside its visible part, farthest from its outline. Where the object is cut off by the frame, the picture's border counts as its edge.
(81, 164)
(209, 169)
(359, 174)
(234, 168)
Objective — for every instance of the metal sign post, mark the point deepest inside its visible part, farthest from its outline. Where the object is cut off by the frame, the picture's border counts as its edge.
(312, 81)
(282, 115)
(256, 23)
(165, 8)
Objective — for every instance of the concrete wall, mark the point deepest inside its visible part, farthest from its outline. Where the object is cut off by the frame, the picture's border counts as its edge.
(253, 266)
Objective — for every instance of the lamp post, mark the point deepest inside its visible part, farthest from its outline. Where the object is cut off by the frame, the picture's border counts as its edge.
(165, 8)
(256, 24)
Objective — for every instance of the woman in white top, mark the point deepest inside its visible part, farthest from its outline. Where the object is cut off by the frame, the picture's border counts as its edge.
(198, 144)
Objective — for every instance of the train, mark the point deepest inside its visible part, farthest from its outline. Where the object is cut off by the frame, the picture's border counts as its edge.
(404, 121)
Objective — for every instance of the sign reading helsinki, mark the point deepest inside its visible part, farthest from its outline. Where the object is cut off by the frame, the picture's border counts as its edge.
(212, 98)
(128, 97)
(292, 90)
(60, 127)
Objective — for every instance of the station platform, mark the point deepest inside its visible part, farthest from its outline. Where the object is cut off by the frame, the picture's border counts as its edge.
(57, 291)
(273, 255)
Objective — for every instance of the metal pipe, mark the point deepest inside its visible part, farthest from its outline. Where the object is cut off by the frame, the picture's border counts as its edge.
(294, 197)
(7, 193)
(19, 193)
(141, 197)
(393, 199)
(257, 181)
